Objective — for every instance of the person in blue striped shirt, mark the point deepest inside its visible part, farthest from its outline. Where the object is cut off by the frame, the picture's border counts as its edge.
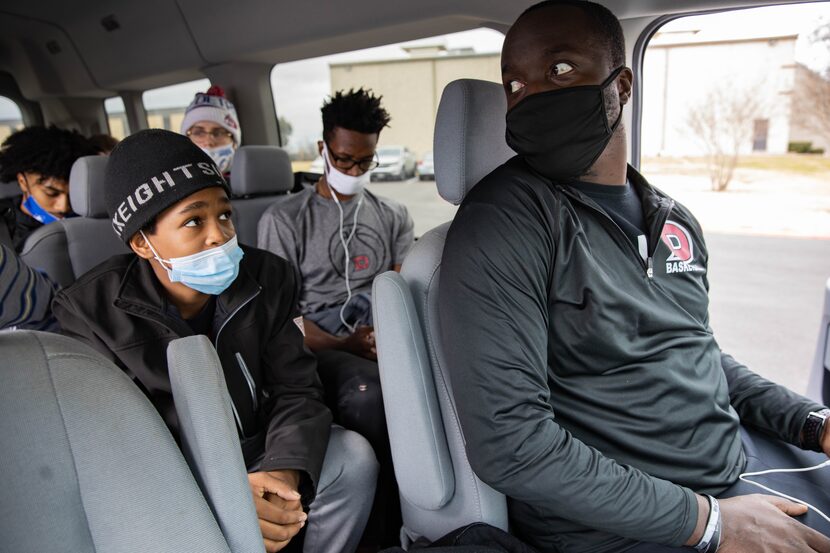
(25, 295)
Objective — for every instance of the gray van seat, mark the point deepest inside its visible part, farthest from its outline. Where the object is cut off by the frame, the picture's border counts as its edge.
(210, 441)
(439, 491)
(818, 388)
(68, 248)
(89, 464)
(259, 176)
(9, 189)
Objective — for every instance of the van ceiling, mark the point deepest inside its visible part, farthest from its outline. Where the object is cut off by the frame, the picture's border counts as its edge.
(98, 47)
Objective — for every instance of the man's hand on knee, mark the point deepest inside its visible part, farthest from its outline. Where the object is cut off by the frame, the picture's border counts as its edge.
(763, 524)
(278, 506)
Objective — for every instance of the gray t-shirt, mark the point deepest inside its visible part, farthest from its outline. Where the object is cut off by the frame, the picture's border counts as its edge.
(303, 228)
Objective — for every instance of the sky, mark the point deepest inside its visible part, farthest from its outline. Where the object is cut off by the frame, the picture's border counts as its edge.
(301, 87)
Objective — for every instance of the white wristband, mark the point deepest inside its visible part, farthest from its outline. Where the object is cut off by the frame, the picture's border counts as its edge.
(705, 545)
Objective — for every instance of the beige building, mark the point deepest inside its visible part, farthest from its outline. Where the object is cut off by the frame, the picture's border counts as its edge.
(746, 85)
(411, 87)
(811, 109)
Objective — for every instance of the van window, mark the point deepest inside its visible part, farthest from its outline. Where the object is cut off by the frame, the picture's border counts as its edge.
(410, 76)
(11, 119)
(733, 128)
(165, 106)
(117, 117)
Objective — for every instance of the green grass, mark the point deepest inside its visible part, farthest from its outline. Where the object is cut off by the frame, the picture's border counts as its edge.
(790, 163)
(806, 164)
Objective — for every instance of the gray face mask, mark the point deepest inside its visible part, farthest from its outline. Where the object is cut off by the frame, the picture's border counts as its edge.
(561, 133)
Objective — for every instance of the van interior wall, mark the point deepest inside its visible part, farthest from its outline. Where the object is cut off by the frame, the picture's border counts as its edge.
(31, 112)
(632, 30)
(86, 115)
(248, 86)
(134, 109)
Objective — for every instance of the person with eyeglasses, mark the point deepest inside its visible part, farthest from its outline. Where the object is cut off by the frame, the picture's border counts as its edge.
(211, 123)
(338, 236)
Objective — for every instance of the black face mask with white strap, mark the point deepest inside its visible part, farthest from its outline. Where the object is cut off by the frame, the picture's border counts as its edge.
(561, 133)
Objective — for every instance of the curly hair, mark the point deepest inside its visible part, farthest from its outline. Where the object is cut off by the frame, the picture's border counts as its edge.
(103, 143)
(356, 110)
(607, 27)
(48, 151)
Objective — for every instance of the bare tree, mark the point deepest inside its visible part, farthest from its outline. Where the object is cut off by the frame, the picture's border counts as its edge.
(811, 93)
(812, 101)
(723, 122)
(820, 36)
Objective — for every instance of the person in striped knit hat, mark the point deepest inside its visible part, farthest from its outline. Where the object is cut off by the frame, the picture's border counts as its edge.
(212, 124)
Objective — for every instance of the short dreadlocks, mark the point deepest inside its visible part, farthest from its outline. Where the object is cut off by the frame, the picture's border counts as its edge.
(356, 110)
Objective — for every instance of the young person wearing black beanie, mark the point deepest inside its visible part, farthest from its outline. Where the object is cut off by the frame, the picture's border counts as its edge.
(169, 203)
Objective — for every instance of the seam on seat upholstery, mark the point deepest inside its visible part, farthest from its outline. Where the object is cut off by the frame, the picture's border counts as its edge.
(75, 272)
(465, 94)
(48, 357)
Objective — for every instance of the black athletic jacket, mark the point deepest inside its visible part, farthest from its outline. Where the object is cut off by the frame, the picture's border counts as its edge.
(119, 309)
(588, 382)
(18, 224)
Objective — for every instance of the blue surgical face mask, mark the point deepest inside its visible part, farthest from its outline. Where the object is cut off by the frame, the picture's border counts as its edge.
(38, 213)
(210, 271)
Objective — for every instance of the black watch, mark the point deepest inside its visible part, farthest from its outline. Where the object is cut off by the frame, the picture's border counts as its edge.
(813, 430)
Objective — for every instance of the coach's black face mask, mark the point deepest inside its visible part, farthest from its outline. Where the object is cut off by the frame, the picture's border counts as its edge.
(561, 133)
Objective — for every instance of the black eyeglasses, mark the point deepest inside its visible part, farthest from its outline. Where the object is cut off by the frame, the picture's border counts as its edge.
(346, 163)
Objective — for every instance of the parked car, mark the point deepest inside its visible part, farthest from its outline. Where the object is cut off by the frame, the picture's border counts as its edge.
(396, 163)
(317, 166)
(426, 169)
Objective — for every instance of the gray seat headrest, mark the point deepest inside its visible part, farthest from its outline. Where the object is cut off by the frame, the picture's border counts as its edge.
(9, 189)
(469, 136)
(261, 170)
(86, 187)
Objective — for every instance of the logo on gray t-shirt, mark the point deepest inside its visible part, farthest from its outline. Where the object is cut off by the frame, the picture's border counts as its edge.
(303, 228)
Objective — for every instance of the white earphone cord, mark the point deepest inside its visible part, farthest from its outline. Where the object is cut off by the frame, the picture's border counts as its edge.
(345, 243)
(744, 476)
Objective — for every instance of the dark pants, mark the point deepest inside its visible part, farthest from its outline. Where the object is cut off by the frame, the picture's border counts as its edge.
(765, 453)
(352, 388)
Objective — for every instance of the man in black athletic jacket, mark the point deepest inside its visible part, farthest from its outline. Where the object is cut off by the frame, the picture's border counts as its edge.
(590, 387)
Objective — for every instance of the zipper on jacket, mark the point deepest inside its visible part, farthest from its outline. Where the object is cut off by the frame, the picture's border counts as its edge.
(654, 238)
(216, 345)
(655, 233)
(617, 232)
(249, 378)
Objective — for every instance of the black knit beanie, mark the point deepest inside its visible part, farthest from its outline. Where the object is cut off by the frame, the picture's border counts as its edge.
(151, 170)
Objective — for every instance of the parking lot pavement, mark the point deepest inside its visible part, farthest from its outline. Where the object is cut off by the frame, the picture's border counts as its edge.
(765, 203)
(766, 296)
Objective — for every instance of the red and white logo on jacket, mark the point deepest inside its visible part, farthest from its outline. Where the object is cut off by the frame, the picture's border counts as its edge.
(679, 242)
(681, 248)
